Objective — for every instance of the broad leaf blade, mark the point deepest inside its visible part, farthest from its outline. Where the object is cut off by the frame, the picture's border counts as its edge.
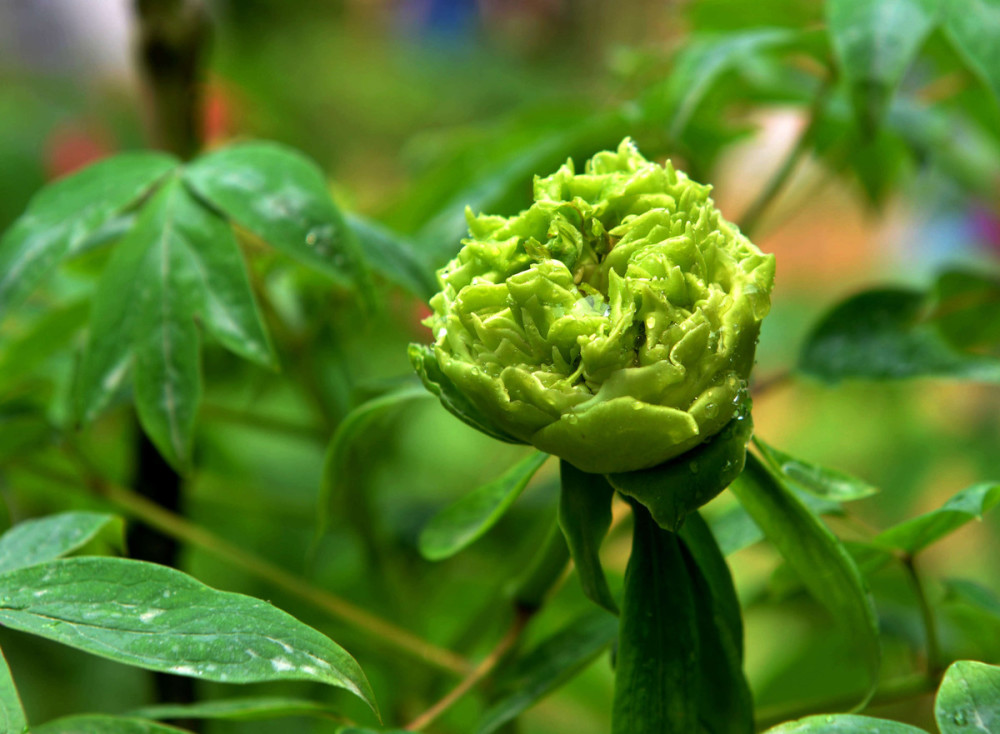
(966, 310)
(282, 197)
(916, 534)
(12, 718)
(973, 27)
(467, 519)
(49, 538)
(820, 481)
(103, 724)
(883, 335)
(551, 664)
(60, 218)
(875, 41)
(968, 700)
(237, 709)
(157, 618)
(816, 555)
(585, 517)
(844, 724)
(394, 256)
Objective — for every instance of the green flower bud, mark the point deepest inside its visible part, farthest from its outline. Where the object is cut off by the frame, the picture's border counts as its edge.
(613, 323)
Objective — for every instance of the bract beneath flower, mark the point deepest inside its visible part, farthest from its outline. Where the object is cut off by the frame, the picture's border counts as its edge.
(613, 323)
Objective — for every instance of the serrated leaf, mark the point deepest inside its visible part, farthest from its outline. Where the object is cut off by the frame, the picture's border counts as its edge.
(884, 335)
(55, 536)
(468, 518)
(968, 700)
(103, 724)
(394, 256)
(178, 267)
(281, 197)
(157, 618)
(237, 709)
(62, 216)
(816, 555)
(678, 487)
(678, 674)
(875, 41)
(585, 517)
(12, 718)
(548, 666)
(844, 724)
(917, 533)
(973, 27)
(348, 432)
(829, 484)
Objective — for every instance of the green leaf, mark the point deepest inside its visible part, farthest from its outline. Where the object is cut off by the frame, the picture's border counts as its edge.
(680, 486)
(237, 709)
(103, 724)
(966, 310)
(281, 197)
(551, 664)
(467, 519)
(585, 517)
(844, 724)
(973, 27)
(884, 335)
(968, 700)
(917, 533)
(348, 432)
(703, 61)
(61, 217)
(55, 536)
(436, 382)
(23, 356)
(178, 267)
(875, 41)
(677, 674)
(394, 256)
(12, 718)
(815, 554)
(157, 618)
(829, 484)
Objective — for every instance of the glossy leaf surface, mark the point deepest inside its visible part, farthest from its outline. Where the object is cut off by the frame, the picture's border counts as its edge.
(917, 533)
(968, 701)
(154, 617)
(815, 554)
(468, 518)
(844, 724)
(55, 536)
(805, 476)
(100, 724)
(585, 517)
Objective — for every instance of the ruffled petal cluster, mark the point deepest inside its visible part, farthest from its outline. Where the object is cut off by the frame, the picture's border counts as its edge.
(613, 323)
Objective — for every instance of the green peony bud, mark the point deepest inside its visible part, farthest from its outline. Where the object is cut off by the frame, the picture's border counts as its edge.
(613, 323)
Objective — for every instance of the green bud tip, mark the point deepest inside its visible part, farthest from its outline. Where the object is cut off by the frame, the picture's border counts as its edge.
(613, 323)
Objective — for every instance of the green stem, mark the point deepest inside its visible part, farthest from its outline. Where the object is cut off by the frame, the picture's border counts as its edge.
(138, 507)
(751, 218)
(544, 572)
(927, 616)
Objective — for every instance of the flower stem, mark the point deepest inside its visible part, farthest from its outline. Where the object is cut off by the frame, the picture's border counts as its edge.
(927, 616)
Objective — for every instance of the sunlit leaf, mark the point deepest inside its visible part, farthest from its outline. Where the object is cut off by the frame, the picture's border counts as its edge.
(968, 701)
(824, 566)
(548, 666)
(844, 724)
(62, 216)
(55, 536)
(917, 533)
(12, 718)
(884, 335)
(829, 484)
(468, 518)
(102, 724)
(875, 41)
(157, 618)
(585, 517)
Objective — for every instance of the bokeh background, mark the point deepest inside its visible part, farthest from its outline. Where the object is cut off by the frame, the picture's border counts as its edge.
(407, 104)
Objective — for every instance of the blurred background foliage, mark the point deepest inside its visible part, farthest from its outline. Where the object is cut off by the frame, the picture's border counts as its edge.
(415, 108)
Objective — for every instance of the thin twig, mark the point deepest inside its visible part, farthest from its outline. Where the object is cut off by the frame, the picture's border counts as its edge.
(926, 615)
(178, 527)
(481, 671)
